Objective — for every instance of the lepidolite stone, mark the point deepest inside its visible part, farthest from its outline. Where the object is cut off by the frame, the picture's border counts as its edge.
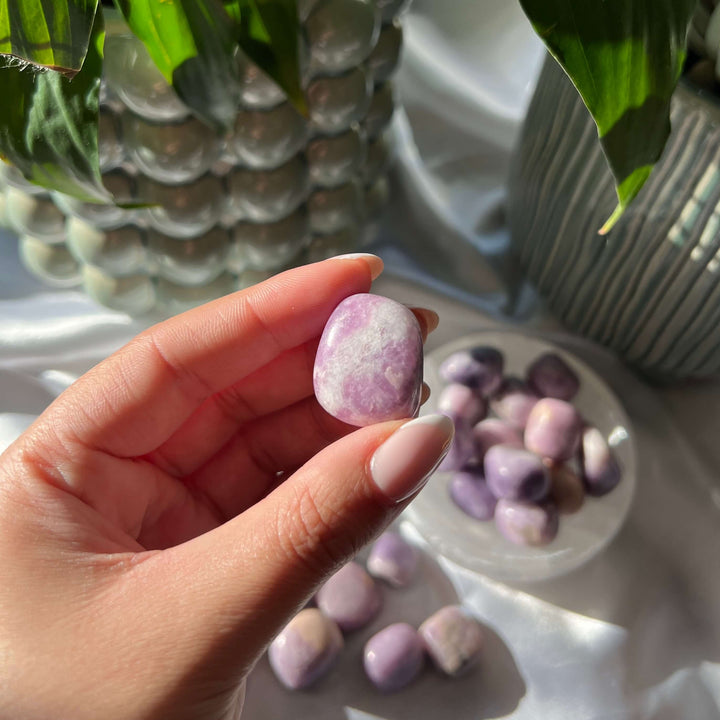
(460, 401)
(554, 429)
(480, 368)
(350, 597)
(394, 657)
(526, 523)
(369, 363)
(470, 493)
(393, 559)
(452, 639)
(552, 377)
(516, 474)
(493, 431)
(600, 470)
(305, 649)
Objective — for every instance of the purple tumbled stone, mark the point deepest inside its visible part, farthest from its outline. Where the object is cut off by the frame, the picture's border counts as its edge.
(516, 474)
(513, 402)
(305, 649)
(369, 363)
(551, 376)
(554, 429)
(470, 493)
(526, 523)
(480, 368)
(452, 639)
(462, 448)
(393, 559)
(394, 657)
(493, 431)
(460, 401)
(350, 597)
(566, 489)
(600, 470)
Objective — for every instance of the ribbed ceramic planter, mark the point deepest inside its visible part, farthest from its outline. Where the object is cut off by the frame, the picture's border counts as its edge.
(650, 289)
(227, 212)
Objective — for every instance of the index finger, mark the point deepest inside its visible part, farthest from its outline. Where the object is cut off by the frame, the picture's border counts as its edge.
(134, 400)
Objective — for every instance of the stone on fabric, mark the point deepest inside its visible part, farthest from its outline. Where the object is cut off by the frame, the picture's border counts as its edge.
(350, 597)
(394, 657)
(393, 560)
(305, 649)
(368, 366)
(452, 639)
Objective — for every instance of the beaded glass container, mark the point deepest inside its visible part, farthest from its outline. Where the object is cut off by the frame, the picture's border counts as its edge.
(225, 212)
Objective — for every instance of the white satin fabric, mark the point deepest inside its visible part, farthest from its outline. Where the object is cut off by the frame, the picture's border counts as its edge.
(635, 634)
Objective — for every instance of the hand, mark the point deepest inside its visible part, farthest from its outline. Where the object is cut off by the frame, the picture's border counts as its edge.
(170, 512)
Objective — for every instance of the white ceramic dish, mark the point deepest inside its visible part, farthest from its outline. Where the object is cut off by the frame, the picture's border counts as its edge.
(478, 545)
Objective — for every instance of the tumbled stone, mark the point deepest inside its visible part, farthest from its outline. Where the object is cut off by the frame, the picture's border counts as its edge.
(393, 657)
(471, 494)
(566, 489)
(305, 649)
(460, 401)
(480, 368)
(369, 363)
(493, 431)
(554, 429)
(516, 474)
(462, 448)
(550, 376)
(600, 470)
(393, 560)
(350, 597)
(525, 523)
(513, 402)
(452, 639)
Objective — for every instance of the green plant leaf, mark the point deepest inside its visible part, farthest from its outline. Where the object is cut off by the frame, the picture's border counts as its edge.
(53, 33)
(268, 33)
(625, 58)
(49, 124)
(193, 44)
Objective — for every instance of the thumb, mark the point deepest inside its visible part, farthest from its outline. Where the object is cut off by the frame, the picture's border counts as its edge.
(239, 584)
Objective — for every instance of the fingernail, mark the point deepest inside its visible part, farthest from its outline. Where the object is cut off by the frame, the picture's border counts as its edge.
(429, 318)
(375, 263)
(433, 319)
(405, 461)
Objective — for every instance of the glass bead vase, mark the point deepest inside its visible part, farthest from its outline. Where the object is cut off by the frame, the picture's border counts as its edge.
(223, 212)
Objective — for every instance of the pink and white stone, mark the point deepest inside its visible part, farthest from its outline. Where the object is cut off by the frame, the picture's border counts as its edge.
(305, 649)
(369, 363)
(453, 639)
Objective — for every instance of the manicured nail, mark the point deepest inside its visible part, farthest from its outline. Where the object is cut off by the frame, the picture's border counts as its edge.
(403, 464)
(375, 263)
(428, 319)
